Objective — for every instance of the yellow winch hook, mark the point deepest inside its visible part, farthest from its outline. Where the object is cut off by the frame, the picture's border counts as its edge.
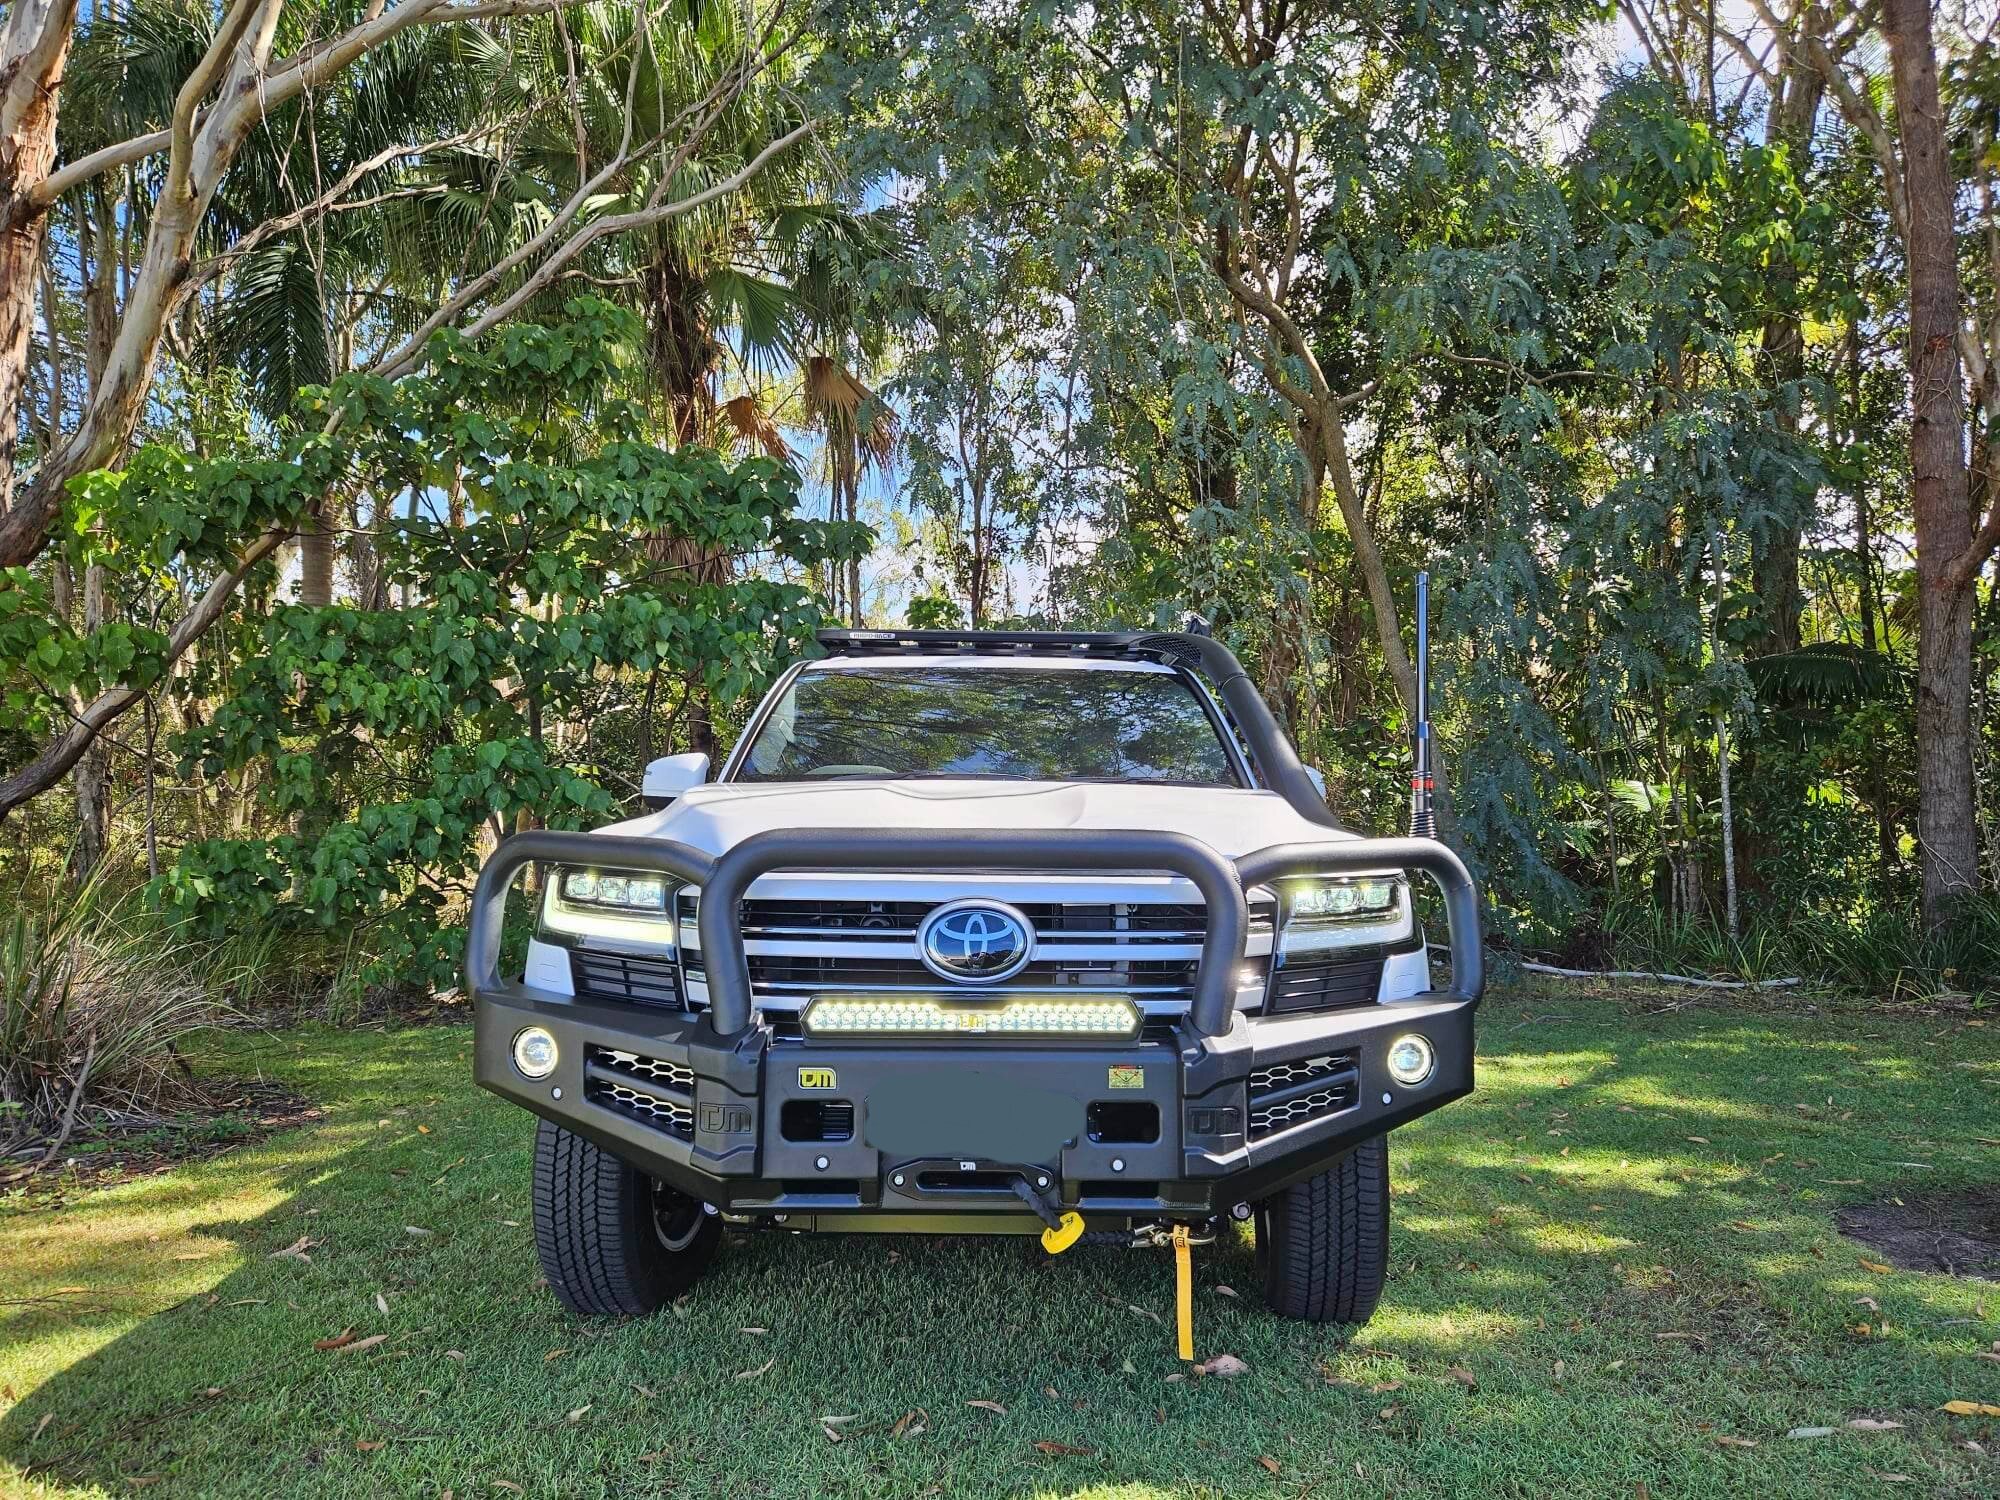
(1067, 1233)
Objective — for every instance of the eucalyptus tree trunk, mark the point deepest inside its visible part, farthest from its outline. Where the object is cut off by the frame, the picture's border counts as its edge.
(33, 50)
(1947, 815)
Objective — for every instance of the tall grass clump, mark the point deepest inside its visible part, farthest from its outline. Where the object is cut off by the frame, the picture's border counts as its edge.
(1883, 951)
(92, 1000)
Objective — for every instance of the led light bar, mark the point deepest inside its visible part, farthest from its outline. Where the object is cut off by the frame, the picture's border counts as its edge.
(925, 1015)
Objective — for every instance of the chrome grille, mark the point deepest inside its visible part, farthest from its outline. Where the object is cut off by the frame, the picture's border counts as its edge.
(798, 948)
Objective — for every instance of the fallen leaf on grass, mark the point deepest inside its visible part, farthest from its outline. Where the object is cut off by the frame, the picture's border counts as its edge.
(578, 1415)
(1891, 1478)
(1971, 1409)
(1868, 1302)
(508, 1485)
(359, 1344)
(910, 1423)
(457, 1354)
(47, 1417)
(339, 1341)
(1699, 1140)
(832, 1433)
(1145, 1312)
(1465, 1377)
(247, 1302)
(417, 1230)
(382, 1304)
(753, 1330)
(1268, 1464)
(367, 1445)
(1382, 1387)
(296, 1250)
(993, 1406)
(1224, 1291)
(1064, 1450)
(1874, 1265)
(1726, 1441)
(551, 1357)
(1873, 1424)
(1810, 1432)
(1222, 1364)
(763, 1369)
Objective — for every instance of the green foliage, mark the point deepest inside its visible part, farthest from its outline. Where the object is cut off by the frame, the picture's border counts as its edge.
(387, 744)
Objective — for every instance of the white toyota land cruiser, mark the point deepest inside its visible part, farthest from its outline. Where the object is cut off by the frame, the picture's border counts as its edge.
(978, 932)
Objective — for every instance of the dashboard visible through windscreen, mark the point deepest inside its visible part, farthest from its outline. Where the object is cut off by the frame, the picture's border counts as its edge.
(1015, 723)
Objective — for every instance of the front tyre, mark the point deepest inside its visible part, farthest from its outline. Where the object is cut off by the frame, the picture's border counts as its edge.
(1323, 1244)
(611, 1240)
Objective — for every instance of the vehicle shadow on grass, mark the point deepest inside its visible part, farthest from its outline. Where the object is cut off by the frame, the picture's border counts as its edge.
(1576, 1310)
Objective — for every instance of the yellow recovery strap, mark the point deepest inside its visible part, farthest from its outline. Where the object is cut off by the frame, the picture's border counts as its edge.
(1184, 1291)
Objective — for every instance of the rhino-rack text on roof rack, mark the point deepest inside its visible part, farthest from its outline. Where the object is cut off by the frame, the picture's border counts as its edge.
(990, 642)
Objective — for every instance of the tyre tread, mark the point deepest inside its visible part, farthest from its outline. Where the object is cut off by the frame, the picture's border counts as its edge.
(1328, 1240)
(594, 1231)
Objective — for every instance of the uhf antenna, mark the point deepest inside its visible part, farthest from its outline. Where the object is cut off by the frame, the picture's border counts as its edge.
(1423, 818)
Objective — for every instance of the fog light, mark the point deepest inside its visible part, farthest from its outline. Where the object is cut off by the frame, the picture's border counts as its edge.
(534, 1052)
(1411, 1060)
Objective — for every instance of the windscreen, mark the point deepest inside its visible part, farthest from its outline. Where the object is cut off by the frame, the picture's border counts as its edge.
(1010, 722)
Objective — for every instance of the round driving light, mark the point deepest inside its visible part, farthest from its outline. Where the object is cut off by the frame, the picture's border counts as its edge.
(1411, 1060)
(534, 1052)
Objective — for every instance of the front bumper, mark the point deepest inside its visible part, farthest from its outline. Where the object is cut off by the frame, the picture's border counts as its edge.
(1224, 1109)
(733, 1149)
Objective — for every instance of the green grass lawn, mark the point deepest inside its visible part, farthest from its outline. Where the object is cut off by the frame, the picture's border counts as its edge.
(1615, 1271)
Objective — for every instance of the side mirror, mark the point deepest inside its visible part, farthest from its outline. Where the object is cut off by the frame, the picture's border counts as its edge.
(670, 775)
(1318, 778)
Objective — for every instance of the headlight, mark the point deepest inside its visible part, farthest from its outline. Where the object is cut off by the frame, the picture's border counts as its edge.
(610, 903)
(607, 890)
(1344, 898)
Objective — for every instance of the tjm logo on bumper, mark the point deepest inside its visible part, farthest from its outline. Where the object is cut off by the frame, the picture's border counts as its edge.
(816, 1078)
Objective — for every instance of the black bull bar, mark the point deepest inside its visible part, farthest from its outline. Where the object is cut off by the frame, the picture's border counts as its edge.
(1221, 882)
